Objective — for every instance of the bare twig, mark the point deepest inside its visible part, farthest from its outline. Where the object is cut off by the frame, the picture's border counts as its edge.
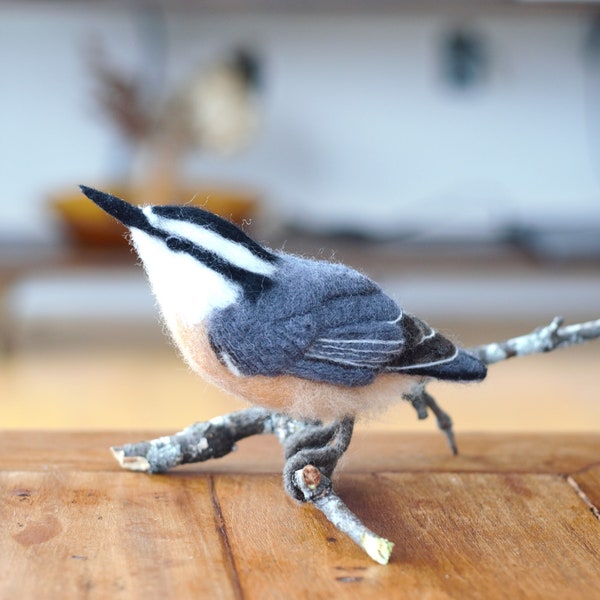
(317, 489)
(544, 339)
(196, 443)
(313, 449)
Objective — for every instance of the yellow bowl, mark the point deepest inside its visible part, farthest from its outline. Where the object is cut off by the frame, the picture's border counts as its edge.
(87, 225)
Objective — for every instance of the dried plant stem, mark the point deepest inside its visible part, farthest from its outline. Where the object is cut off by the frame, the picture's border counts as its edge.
(312, 449)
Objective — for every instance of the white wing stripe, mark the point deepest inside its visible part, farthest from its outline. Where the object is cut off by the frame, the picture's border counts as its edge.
(230, 364)
(361, 350)
(341, 361)
(432, 333)
(428, 364)
(337, 341)
(397, 319)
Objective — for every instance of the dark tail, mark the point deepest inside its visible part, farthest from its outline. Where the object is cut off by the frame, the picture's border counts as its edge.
(464, 367)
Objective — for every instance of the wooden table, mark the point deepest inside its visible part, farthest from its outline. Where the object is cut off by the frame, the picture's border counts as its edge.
(513, 517)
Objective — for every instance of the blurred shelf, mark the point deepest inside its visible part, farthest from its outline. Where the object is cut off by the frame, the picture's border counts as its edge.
(440, 282)
(323, 6)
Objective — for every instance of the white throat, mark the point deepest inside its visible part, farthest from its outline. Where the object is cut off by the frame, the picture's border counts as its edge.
(185, 289)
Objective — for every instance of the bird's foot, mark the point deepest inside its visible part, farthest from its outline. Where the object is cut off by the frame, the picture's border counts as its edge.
(318, 445)
(422, 402)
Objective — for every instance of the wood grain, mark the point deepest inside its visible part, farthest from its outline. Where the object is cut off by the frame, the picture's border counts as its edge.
(473, 535)
(75, 535)
(503, 521)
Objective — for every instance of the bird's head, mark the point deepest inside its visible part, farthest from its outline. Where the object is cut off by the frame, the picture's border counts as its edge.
(196, 261)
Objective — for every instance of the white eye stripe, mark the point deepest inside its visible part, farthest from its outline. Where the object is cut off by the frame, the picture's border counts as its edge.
(236, 254)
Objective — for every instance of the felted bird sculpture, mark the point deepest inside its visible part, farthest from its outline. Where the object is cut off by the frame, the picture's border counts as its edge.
(313, 339)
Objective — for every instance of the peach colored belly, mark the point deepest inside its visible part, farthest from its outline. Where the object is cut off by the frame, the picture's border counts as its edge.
(301, 398)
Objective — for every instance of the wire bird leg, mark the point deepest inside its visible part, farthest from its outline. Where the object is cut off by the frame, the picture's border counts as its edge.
(422, 402)
(318, 445)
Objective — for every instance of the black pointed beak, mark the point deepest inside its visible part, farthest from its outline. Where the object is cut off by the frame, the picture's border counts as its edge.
(128, 214)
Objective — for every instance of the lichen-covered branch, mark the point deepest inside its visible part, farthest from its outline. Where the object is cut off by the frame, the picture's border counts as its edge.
(312, 449)
(217, 438)
(196, 443)
(544, 339)
(317, 489)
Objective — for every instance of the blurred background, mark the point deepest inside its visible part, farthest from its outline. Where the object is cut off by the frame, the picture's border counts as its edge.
(450, 150)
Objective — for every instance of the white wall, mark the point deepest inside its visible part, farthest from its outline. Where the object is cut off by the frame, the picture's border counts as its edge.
(359, 127)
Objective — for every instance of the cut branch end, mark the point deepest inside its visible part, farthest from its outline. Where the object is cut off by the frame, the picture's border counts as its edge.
(131, 463)
(378, 548)
(311, 477)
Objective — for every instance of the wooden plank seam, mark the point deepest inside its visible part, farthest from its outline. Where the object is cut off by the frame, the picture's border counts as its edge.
(583, 496)
(221, 528)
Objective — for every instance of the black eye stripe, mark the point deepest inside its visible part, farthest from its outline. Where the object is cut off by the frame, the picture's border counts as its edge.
(222, 227)
(253, 283)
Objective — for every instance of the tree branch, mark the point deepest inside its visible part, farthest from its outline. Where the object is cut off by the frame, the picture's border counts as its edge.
(313, 449)
(318, 489)
(543, 339)
(196, 443)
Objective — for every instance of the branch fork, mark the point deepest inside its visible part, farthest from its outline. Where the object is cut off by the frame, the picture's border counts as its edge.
(312, 449)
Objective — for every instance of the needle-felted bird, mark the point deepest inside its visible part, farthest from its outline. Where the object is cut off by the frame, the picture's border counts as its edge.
(313, 339)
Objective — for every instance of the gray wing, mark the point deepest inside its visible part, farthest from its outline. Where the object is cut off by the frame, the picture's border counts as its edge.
(344, 339)
(340, 336)
(355, 354)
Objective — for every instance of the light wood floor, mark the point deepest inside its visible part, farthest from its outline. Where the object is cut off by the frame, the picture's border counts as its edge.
(146, 385)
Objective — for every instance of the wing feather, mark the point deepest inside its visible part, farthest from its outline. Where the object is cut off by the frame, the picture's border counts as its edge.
(416, 350)
(323, 334)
